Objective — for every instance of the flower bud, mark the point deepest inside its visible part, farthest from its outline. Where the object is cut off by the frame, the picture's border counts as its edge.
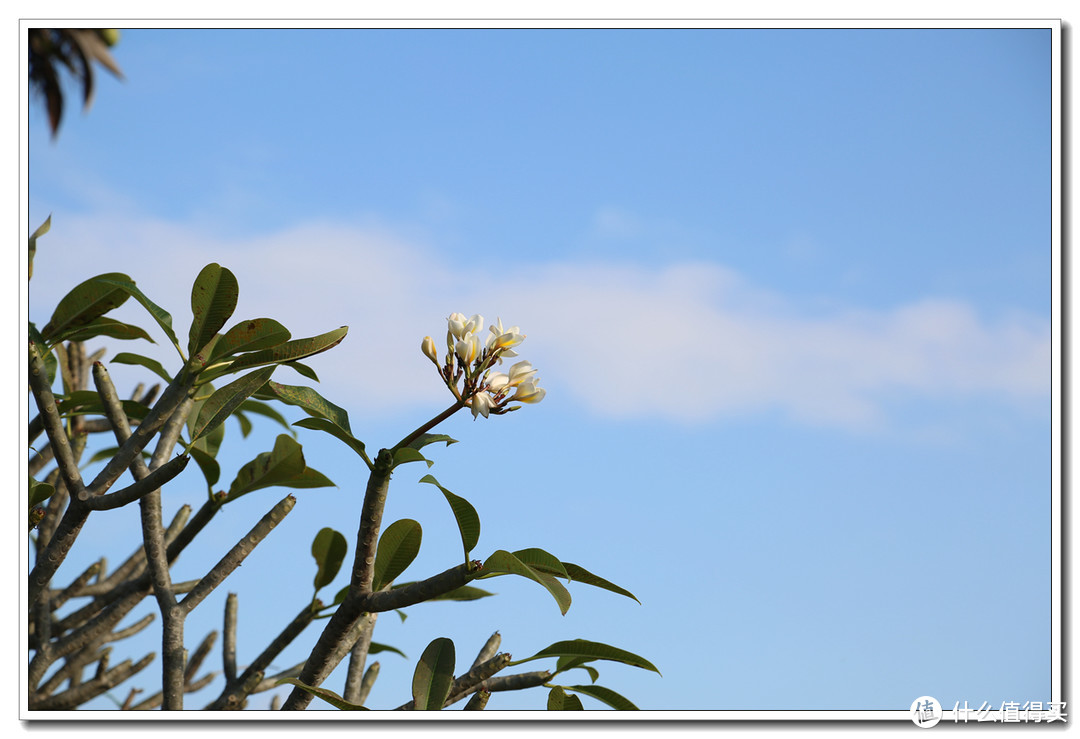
(428, 347)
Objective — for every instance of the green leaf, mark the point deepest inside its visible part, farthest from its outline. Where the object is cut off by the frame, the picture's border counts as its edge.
(150, 364)
(465, 592)
(398, 547)
(328, 549)
(249, 336)
(209, 466)
(107, 327)
(327, 695)
(306, 399)
(39, 491)
(277, 467)
(467, 519)
(289, 351)
(159, 314)
(224, 401)
(88, 402)
(590, 650)
(424, 439)
(267, 410)
(325, 424)
(558, 700)
(604, 695)
(88, 300)
(407, 454)
(309, 478)
(213, 300)
(565, 664)
(43, 351)
(505, 563)
(244, 421)
(375, 648)
(211, 441)
(580, 574)
(109, 452)
(41, 231)
(303, 369)
(434, 675)
(542, 561)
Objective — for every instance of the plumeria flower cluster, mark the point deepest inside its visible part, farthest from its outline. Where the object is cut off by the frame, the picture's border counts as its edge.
(468, 369)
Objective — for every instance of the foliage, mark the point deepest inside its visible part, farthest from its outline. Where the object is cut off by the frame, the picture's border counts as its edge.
(225, 372)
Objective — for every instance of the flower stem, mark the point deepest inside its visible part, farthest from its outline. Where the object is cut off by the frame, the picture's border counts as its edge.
(457, 406)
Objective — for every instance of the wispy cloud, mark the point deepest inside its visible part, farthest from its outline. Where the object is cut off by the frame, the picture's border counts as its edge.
(691, 342)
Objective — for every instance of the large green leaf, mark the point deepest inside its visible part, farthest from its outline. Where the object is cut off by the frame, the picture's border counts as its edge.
(278, 467)
(107, 327)
(424, 439)
(407, 454)
(590, 650)
(398, 547)
(434, 675)
(289, 351)
(306, 399)
(327, 695)
(309, 478)
(465, 592)
(150, 364)
(88, 300)
(542, 561)
(467, 519)
(213, 300)
(267, 410)
(328, 549)
(249, 336)
(211, 441)
(563, 664)
(227, 399)
(209, 466)
(558, 700)
(302, 369)
(88, 402)
(605, 695)
(159, 314)
(505, 563)
(578, 573)
(325, 424)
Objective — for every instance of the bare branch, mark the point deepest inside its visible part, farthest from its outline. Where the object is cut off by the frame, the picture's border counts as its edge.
(490, 648)
(76, 696)
(237, 554)
(357, 657)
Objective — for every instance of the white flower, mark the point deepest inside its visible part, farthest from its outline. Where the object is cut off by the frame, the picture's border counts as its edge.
(528, 392)
(497, 382)
(481, 404)
(468, 349)
(521, 372)
(456, 323)
(502, 340)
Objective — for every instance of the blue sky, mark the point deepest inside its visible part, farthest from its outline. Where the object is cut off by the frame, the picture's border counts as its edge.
(788, 291)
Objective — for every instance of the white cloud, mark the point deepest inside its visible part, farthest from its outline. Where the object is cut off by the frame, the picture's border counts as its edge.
(691, 342)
